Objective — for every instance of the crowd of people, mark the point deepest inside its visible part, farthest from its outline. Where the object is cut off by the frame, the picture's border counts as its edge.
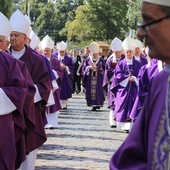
(38, 82)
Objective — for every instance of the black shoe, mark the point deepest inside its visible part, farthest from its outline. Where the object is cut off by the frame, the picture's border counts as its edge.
(98, 107)
(113, 126)
(126, 131)
(93, 109)
(64, 108)
(49, 127)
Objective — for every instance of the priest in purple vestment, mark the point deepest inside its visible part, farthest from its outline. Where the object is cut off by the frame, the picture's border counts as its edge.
(147, 147)
(33, 42)
(145, 75)
(138, 54)
(13, 92)
(40, 77)
(111, 63)
(47, 45)
(93, 73)
(125, 85)
(67, 67)
(23, 122)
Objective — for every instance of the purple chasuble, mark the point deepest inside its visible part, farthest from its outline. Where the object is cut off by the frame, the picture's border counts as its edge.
(124, 95)
(26, 123)
(67, 79)
(145, 76)
(52, 77)
(14, 85)
(93, 81)
(55, 65)
(40, 76)
(51, 74)
(108, 78)
(143, 61)
(147, 145)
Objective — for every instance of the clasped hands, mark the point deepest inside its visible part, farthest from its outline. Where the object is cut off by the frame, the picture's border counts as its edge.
(131, 79)
(63, 66)
(93, 67)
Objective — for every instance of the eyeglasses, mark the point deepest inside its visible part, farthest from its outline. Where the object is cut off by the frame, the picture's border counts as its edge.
(143, 27)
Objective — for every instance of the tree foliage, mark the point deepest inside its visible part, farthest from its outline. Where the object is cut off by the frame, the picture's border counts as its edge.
(81, 21)
(79, 28)
(5, 7)
(134, 14)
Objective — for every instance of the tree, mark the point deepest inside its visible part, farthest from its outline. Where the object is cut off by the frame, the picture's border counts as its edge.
(46, 23)
(79, 28)
(5, 7)
(98, 20)
(133, 14)
(82, 21)
(110, 18)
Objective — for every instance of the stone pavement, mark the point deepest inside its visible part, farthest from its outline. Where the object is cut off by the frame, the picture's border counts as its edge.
(82, 141)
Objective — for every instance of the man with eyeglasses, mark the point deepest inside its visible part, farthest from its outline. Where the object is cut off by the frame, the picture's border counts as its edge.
(147, 147)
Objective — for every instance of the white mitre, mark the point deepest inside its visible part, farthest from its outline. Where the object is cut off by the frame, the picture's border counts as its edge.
(28, 18)
(30, 28)
(128, 44)
(61, 46)
(6, 27)
(94, 47)
(19, 22)
(34, 40)
(47, 42)
(138, 43)
(116, 44)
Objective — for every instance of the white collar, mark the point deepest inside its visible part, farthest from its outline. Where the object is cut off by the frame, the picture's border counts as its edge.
(18, 54)
(129, 62)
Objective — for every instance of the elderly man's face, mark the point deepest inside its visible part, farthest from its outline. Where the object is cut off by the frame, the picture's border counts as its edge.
(47, 52)
(17, 40)
(118, 54)
(137, 51)
(156, 34)
(3, 43)
(95, 55)
(129, 54)
(62, 53)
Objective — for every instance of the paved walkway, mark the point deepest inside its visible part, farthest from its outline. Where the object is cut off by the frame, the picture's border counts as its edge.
(82, 141)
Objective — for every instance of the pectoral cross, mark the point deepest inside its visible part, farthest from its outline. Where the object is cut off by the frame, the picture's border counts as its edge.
(130, 71)
(166, 148)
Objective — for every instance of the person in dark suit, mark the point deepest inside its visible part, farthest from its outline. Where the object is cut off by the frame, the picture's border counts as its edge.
(77, 72)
